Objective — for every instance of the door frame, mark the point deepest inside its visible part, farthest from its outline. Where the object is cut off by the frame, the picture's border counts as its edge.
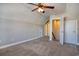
(62, 30)
(61, 18)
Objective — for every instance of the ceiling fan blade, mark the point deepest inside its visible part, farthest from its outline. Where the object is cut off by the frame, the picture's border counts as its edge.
(33, 4)
(34, 9)
(51, 7)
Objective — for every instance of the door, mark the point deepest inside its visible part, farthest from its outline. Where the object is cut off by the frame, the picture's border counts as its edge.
(61, 30)
(70, 31)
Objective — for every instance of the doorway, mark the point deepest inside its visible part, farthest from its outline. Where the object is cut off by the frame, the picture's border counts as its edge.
(46, 28)
(56, 29)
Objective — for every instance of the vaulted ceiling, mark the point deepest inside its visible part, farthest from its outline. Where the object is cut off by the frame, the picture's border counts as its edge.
(59, 9)
(24, 12)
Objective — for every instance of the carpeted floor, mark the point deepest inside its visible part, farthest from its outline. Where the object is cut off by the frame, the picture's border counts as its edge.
(40, 47)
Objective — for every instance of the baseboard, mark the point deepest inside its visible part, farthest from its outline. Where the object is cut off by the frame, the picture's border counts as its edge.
(5, 46)
(72, 43)
(77, 43)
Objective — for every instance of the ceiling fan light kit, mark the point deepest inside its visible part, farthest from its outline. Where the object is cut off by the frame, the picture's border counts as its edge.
(41, 7)
(40, 10)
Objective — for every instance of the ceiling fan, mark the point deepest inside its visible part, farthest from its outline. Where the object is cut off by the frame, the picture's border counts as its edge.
(40, 7)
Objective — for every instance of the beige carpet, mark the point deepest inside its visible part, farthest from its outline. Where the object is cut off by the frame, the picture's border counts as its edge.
(40, 47)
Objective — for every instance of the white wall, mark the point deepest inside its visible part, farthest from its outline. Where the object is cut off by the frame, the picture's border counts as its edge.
(18, 23)
(72, 13)
(72, 10)
(78, 31)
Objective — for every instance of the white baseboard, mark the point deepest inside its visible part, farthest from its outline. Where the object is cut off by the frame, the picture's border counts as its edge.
(77, 43)
(71, 43)
(12, 44)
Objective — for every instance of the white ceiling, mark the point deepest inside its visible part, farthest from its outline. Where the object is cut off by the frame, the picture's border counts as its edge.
(59, 8)
(22, 10)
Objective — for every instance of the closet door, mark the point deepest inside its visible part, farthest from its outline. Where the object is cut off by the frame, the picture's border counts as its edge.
(70, 31)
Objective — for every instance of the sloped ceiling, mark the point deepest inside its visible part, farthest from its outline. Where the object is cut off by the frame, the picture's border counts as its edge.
(21, 11)
(59, 9)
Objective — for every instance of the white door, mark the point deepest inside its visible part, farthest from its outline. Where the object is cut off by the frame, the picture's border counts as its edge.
(70, 31)
(61, 30)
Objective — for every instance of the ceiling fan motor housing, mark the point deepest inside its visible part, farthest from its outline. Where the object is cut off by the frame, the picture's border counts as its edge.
(43, 12)
(41, 7)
